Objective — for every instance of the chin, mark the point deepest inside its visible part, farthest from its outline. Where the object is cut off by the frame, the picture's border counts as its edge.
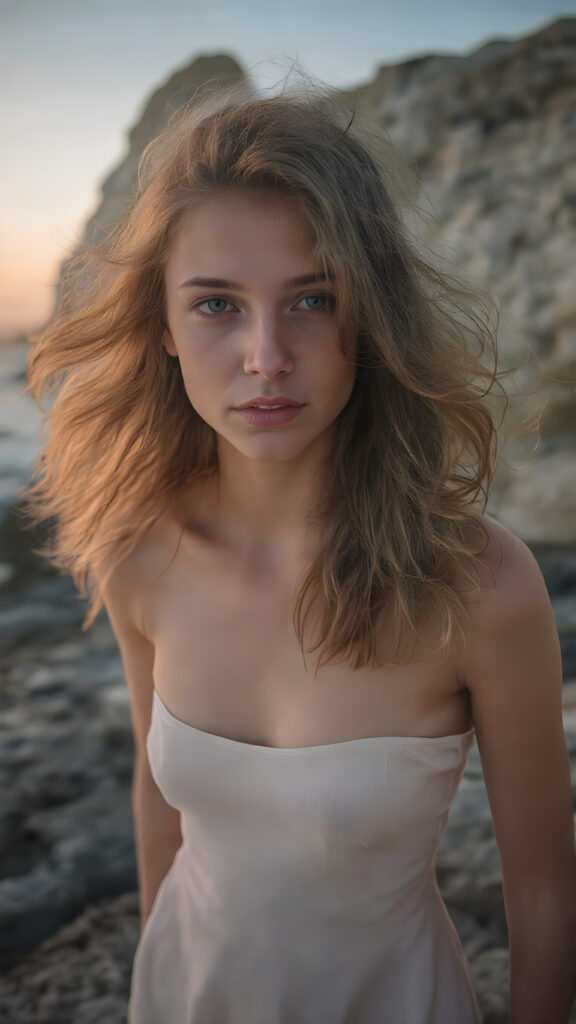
(269, 455)
(272, 449)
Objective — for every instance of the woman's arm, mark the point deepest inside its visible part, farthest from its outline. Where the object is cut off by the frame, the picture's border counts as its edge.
(512, 668)
(157, 835)
(156, 823)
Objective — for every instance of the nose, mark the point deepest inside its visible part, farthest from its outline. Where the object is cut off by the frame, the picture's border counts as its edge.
(267, 349)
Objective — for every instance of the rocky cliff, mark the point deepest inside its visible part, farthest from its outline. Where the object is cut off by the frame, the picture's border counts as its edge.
(178, 90)
(492, 139)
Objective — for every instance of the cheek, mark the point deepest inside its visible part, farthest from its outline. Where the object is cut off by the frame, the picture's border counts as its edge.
(205, 379)
(343, 377)
(200, 366)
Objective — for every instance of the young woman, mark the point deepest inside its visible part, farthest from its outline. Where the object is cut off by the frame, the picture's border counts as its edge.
(268, 456)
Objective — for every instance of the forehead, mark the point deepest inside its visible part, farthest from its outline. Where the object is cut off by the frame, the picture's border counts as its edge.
(236, 225)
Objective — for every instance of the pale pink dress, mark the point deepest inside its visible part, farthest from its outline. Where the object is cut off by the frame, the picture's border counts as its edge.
(305, 889)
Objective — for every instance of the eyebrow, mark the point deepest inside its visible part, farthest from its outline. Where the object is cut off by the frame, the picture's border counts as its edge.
(218, 282)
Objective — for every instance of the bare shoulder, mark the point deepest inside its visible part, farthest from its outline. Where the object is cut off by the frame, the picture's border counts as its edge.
(510, 658)
(511, 625)
(510, 579)
(125, 578)
(511, 665)
(126, 581)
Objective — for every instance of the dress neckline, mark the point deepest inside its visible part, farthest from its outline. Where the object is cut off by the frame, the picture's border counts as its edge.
(455, 738)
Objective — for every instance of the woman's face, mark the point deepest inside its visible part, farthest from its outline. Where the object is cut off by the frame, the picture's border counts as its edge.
(248, 316)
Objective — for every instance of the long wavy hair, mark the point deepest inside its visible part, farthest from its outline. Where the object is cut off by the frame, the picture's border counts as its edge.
(400, 514)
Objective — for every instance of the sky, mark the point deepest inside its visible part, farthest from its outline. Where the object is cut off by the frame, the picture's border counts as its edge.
(75, 75)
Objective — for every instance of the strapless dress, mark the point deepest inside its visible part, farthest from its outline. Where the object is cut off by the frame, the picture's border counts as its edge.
(305, 890)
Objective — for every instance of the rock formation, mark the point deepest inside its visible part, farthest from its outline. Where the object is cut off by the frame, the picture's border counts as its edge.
(180, 88)
(492, 137)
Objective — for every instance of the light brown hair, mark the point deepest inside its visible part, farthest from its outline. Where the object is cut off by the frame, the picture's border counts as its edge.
(415, 445)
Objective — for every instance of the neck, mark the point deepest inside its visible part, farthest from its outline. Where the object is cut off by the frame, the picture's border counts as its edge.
(258, 510)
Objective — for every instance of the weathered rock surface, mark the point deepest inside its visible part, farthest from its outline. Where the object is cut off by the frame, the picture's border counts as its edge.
(79, 976)
(180, 88)
(492, 137)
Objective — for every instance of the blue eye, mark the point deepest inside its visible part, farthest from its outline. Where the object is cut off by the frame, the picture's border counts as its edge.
(318, 303)
(215, 305)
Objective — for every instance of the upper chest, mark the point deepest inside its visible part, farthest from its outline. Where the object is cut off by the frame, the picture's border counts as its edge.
(228, 661)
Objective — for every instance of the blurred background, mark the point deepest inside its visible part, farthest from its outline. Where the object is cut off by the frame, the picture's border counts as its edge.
(480, 99)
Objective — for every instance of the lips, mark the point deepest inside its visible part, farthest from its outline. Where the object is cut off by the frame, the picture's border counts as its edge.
(269, 417)
(281, 400)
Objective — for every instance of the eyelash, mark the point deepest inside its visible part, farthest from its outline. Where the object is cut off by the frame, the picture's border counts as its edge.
(330, 302)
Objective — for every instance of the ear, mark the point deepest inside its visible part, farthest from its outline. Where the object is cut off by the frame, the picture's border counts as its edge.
(168, 342)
